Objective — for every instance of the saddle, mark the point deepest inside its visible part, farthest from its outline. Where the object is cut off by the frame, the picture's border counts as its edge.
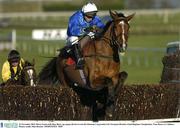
(68, 52)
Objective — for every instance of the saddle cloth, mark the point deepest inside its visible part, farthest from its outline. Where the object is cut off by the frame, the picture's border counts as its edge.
(70, 61)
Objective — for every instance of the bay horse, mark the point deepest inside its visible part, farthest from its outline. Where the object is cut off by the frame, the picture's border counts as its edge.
(102, 62)
(27, 76)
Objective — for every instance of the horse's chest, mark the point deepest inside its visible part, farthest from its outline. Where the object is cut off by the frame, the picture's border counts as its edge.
(106, 68)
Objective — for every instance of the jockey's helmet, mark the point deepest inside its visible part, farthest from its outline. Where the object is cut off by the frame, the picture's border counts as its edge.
(13, 56)
(89, 9)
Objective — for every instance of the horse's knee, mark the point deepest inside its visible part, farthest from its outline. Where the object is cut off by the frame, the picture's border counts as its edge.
(123, 75)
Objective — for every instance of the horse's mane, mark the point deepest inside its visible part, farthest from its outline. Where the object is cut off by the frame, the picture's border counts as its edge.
(27, 63)
(120, 14)
(99, 35)
(108, 24)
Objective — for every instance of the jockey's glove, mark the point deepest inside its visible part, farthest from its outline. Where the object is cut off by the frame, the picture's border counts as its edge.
(11, 79)
(91, 34)
(87, 30)
(91, 29)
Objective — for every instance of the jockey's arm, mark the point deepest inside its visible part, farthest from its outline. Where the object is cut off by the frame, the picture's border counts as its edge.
(99, 23)
(75, 28)
(93, 31)
(97, 29)
(6, 74)
(97, 26)
(22, 62)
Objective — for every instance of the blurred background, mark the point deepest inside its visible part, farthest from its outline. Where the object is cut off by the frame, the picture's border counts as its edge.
(37, 28)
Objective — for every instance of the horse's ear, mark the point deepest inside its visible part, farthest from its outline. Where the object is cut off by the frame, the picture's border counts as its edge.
(113, 14)
(130, 17)
(116, 12)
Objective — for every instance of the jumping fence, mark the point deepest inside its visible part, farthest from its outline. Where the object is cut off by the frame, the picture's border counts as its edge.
(171, 72)
(137, 102)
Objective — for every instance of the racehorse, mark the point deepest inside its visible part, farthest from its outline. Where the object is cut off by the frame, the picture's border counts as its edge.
(102, 62)
(28, 74)
(27, 77)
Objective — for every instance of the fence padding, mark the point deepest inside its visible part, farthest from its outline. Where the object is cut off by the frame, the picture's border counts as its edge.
(52, 103)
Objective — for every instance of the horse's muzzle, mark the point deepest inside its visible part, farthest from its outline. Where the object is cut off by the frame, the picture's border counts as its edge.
(123, 48)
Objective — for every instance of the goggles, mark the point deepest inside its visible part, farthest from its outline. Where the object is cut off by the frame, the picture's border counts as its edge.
(14, 60)
(90, 15)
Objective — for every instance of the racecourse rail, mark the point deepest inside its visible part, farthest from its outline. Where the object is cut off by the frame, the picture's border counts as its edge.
(164, 12)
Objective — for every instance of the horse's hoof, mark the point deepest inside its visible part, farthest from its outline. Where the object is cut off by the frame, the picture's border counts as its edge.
(109, 112)
(109, 116)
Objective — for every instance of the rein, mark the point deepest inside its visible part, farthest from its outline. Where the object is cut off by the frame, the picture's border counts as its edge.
(100, 56)
(113, 43)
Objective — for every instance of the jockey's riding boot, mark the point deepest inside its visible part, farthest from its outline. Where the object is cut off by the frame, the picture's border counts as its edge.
(79, 57)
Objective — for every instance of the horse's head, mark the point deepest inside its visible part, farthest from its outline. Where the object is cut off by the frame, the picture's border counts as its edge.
(120, 29)
(29, 76)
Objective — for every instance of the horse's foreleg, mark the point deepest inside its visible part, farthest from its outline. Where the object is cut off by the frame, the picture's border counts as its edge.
(113, 90)
(111, 98)
(122, 77)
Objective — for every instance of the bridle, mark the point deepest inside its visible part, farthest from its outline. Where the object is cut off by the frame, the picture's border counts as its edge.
(114, 42)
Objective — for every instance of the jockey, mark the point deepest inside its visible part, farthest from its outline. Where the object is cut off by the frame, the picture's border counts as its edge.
(78, 26)
(11, 68)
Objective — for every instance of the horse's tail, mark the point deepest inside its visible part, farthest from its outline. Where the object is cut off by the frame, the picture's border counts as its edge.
(48, 75)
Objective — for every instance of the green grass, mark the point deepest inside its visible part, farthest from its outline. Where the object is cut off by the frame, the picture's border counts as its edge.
(142, 67)
(143, 75)
(152, 41)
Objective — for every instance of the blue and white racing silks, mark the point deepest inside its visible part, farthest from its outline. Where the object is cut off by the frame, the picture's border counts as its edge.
(77, 24)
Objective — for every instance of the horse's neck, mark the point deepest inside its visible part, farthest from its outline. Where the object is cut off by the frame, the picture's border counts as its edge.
(103, 44)
(107, 35)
